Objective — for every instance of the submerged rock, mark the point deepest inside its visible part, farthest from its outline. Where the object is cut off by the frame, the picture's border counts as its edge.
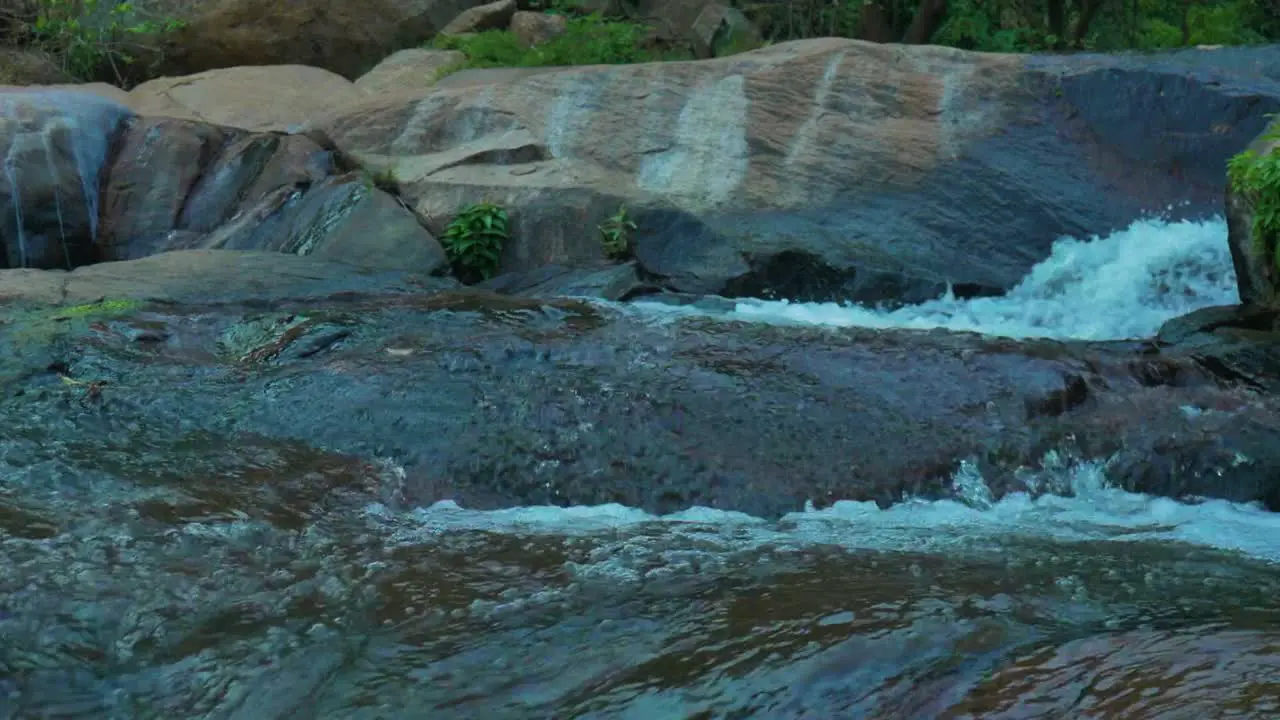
(496, 401)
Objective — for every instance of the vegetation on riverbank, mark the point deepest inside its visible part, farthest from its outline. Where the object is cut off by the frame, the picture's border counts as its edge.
(118, 41)
(1255, 177)
(587, 40)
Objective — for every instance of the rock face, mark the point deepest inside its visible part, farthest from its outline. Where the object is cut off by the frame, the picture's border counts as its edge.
(174, 183)
(1257, 263)
(828, 169)
(180, 184)
(53, 148)
(496, 401)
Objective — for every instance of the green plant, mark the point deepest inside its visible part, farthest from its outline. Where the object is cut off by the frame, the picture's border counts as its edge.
(615, 235)
(474, 240)
(588, 40)
(1255, 176)
(89, 36)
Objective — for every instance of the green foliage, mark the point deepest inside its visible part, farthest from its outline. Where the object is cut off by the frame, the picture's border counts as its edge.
(588, 40)
(1256, 177)
(615, 235)
(92, 36)
(1029, 25)
(474, 240)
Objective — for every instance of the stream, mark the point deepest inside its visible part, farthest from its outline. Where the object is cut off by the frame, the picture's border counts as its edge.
(147, 577)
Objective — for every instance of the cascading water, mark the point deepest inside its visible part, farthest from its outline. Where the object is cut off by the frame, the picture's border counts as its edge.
(54, 146)
(1121, 286)
(214, 590)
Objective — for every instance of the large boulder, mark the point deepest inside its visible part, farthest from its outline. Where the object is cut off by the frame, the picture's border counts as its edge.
(344, 37)
(830, 168)
(260, 98)
(182, 184)
(1254, 253)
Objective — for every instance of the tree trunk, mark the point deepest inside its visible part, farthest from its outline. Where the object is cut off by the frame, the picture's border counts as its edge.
(873, 23)
(929, 16)
(1088, 10)
(1056, 12)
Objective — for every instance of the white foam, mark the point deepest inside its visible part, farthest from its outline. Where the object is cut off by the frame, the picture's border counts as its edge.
(1122, 286)
(1091, 511)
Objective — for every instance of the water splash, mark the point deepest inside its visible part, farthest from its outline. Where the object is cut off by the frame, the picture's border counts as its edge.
(1088, 509)
(1121, 286)
(51, 132)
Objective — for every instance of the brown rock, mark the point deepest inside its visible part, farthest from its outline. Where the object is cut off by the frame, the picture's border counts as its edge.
(1256, 262)
(278, 97)
(28, 67)
(825, 169)
(345, 37)
(413, 72)
(720, 29)
(564, 149)
(493, 16)
(532, 28)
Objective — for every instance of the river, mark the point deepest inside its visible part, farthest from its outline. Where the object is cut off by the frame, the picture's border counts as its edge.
(255, 582)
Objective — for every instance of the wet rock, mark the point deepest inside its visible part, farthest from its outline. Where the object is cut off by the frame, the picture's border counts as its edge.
(496, 401)
(181, 184)
(53, 148)
(614, 282)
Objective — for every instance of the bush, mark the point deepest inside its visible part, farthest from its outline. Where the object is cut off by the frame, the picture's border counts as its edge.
(1256, 177)
(615, 235)
(589, 40)
(474, 240)
(92, 39)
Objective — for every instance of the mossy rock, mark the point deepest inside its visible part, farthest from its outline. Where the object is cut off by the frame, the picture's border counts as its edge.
(32, 338)
(1253, 218)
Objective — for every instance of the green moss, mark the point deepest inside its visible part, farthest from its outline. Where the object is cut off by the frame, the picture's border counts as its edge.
(1255, 177)
(104, 307)
(28, 335)
(589, 40)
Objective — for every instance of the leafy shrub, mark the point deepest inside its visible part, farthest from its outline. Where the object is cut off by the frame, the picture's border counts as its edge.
(92, 37)
(588, 40)
(615, 235)
(474, 241)
(1256, 177)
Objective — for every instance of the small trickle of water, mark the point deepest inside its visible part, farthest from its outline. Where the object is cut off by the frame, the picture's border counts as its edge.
(1121, 286)
(79, 123)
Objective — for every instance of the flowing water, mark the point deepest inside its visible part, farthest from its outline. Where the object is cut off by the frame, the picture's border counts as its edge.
(53, 147)
(260, 583)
